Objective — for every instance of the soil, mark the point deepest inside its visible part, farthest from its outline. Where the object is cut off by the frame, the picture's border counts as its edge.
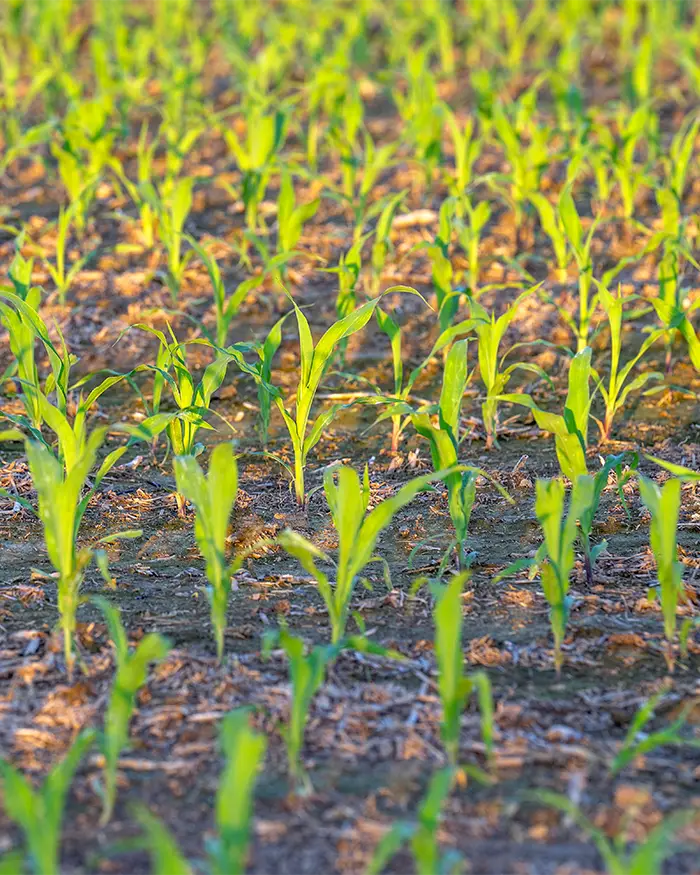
(373, 736)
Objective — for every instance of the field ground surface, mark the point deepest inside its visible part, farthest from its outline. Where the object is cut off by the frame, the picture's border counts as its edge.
(373, 735)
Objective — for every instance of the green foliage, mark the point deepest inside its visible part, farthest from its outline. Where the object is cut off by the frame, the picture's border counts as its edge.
(422, 835)
(618, 389)
(131, 674)
(315, 359)
(495, 378)
(307, 672)
(171, 205)
(570, 429)
(244, 752)
(557, 552)
(193, 401)
(646, 858)
(256, 154)
(62, 504)
(213, 498)
(454, 686)
(291, 217)
(638, 741)
(444, 438)
(600, 481)
(663, 503)
(357, 530)
(226, 306)
(39, 813)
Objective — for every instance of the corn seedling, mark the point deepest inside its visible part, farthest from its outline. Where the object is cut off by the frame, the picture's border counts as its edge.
(646, 858)
(490, 332)
(172, 206)
(22, 337)
(266, 353)
(307, 672)
(357, 530)
(193, 401)
(557, 552)
(670, 306)
(444, 439)
(291, 217)
(244, 751)
(226, 306)
(442, 272)
(422, 835)
(62, 505)
(527, 161)
(638, 742)
(62, 275)
(25, 326)
(600, 481)
(348, 271)
(663, 504)
(454, 686)
(314, 362)
(256, 155)
(618, 389)
(382, 246)
(39, 813)
(131, 674)
(213, 498)
(469, 232)
(467, 147)
(570, 429)
(139, 190)
(358, 186)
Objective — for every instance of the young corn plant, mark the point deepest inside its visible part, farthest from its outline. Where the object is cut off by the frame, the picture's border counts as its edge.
(61, 274)
(307, 672)
(314, 361)
(25, 326)
(62, 504)
(131, 674)
(467, 147)
(266, 353)
(646, 858)
(454, 686)
(348, 271)
(490, 332)
(139, 190)
(570, 429)
(291, 217)
(382, 246)
(213, 497)
(663, 504)
(618, 389)
(22, 338)
(358, 185)
(574, 240)
(446, 297)
(193, 401)
(670, 305)
(638, 741)
(172, 206)
(257, 154)
(39, 813)
(357, 530)
(226, 306)
(556, 556)
(244, 750)
(469, 233)
(444, 439)
(422, 835)
(624, 465)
